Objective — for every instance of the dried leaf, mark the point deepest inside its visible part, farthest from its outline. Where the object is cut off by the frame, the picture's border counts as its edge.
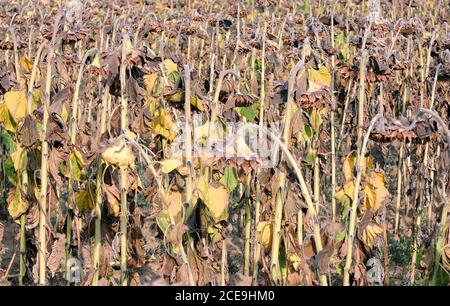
(119, 154)
(26, 64)
(215, 197)
(264, 234)
(369, 234)
(169, 165)
(57, 256)
(113, 199)
(16, 204)
(150, 81)
(375, 190)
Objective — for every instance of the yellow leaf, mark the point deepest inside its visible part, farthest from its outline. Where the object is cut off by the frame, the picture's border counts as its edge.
(207, 131)
(197, 103)
(174, 97)
(162, 124)
(349, 164)
(369, 234)
(169, 165)
(318, 78)
(150, 81)
(96, 61)
(348, 189)
(17, 157)
(264, 234)
(6, 120)
(321, 76)
(26, 64)
(296, 260)
(238, 147)
(170, 66)
(130, 134)
(215, 196)
(375, 190)
(114, 207)
(316, 119)
(64, 113)
(16, 101)
(85, 198)
(79, 157)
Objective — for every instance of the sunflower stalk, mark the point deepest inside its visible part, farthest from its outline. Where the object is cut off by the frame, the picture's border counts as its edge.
(354, 207)
(42, 250)
(276, 238)
(123, 181)
(248, 224)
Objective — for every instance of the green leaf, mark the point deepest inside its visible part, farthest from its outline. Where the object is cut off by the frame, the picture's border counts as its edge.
(305, 8)
(229, 178)
(163, 220)
(249, 112)
(256, 64)
(307, 132)
(77, 163)
(280, 274)
(10, 171)
(340, 236)
(174, 77)
(442, 277)
(310, 157)
(8, 141)
(340, 269)
(342, 46)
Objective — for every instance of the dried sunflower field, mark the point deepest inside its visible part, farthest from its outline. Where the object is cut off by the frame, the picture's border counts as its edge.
(234, 142)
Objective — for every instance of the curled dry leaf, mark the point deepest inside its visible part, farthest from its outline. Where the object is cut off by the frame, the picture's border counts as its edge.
(264, 234)
(57, 257)
(119, 154)
(369, 234)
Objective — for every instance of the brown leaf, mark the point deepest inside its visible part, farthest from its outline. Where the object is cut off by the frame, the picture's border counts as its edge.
(176, 233)
(27, 131)
(113, 199)
(2, 230)
(323, 257)
(57, 256)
